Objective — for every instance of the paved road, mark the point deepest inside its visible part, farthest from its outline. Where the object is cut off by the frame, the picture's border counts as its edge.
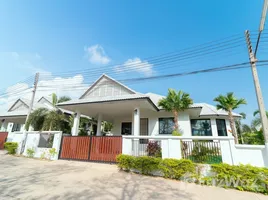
(24, 178)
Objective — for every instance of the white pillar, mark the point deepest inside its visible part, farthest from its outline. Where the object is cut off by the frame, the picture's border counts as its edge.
(136, 122)
(127, 146)
(4, 126)
(99, 125)
(75, 127)
(214, 129)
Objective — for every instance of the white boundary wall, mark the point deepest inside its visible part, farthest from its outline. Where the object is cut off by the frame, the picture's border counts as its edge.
(232, 154)
(32, 141)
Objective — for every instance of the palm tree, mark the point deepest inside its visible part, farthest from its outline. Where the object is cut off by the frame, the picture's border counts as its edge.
(55, 99)
(176, 102)
(47, 120)
(229, 103)
(257, 121)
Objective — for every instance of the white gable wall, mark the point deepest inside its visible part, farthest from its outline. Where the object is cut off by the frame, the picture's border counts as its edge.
(19, 106)
(107, 87)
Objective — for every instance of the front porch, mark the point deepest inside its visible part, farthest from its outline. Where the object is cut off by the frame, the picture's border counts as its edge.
(127, 116)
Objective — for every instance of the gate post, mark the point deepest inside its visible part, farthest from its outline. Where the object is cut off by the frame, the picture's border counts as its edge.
(126, 146)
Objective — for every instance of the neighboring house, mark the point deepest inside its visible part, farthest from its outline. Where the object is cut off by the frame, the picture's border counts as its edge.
(133, 113)
(14, 119)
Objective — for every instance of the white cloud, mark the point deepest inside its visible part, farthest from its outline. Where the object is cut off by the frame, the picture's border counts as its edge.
(136, 65)
(96, 54)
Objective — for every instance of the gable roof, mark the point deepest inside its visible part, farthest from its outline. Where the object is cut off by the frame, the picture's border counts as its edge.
(206, 109)
(47, 98)
(23, 101)
(109, 78)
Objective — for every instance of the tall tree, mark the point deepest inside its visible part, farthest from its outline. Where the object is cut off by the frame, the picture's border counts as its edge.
(176, 102)
(230, 103)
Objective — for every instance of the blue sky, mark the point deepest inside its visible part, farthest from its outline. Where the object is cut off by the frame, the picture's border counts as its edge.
(58, 36)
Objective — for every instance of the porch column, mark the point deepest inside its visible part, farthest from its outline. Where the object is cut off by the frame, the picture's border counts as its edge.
(4, 125)
(75, 127)
(136, 122)
(99, 125)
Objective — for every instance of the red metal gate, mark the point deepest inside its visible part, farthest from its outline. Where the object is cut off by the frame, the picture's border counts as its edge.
(91, 148)
(3, 136)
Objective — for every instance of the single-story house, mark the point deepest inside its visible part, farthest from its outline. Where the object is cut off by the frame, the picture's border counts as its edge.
(134, 113)
(14, 119)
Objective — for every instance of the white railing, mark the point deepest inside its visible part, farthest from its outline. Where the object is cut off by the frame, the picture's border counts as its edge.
(171, 147)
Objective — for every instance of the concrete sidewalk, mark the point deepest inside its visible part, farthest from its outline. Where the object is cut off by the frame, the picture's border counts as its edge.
(23, 178)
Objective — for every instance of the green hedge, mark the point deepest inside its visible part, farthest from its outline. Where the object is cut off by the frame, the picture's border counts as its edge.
(11, 147)
(241, 177)
(171, 168)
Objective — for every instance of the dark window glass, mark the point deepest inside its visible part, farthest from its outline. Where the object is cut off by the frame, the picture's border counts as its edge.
(46, 140)
(16, 127)
(221, 127)
(126, 128)
(201, 127)
(166, 125)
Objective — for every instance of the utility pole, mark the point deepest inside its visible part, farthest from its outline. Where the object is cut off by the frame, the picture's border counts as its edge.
(33, 95)
(253, 61)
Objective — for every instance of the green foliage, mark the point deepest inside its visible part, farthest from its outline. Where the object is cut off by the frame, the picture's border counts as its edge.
(229, 102)
(201, 153)
(176, 133)
(36, 119)
(241, 177)
(43, 156)
(175, 169)
(52, 152)
(146, 165)
(30, 152)
(11, 147)
(63, 99)
(154, 149)
(108, 126)
(255, 138)
(125, 162)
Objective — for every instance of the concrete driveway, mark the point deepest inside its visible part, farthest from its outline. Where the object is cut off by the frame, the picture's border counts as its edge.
(24, 178)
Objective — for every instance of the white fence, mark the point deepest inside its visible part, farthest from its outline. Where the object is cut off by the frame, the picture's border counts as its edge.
(32, 140)
(171, 147)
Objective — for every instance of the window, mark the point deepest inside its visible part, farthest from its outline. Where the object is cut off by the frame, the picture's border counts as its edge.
(46, 140)
(201, 127)
(221, 127)
(16, 127)
(166, 125)
(126, 128)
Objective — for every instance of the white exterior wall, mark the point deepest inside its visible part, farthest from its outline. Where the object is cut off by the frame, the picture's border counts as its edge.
(250, 154)
(153, 123)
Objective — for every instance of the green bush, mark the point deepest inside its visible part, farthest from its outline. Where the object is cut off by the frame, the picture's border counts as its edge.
(125, 162)
(146, 165)
(11, 147)
(30, 152)
(52, 152)
(175, 169)
(241, 177)
(176, 133)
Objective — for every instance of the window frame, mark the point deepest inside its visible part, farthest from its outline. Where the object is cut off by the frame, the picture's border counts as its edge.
(172, 118)
(224, 126)
(201, 119)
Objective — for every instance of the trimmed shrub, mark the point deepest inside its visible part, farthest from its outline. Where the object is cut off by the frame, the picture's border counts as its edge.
(125, 162)
(11, 147)
(241, 177)
(146, 165)
(176, 133)
(175, 169)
